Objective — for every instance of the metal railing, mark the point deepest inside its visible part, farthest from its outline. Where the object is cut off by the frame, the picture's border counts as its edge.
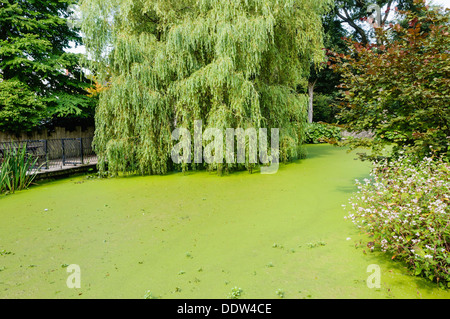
(56, 153)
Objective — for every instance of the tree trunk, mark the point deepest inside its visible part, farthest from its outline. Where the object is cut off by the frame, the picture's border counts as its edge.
(311, 86)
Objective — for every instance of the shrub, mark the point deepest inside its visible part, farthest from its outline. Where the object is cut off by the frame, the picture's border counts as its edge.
(405, 208)
(15, 169)
(322, 133)
(400, 89)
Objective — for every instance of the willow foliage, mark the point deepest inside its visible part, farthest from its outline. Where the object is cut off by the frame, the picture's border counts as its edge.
(229, 63)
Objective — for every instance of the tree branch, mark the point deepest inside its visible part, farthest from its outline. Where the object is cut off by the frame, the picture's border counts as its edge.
(353, 25)
(387, 12)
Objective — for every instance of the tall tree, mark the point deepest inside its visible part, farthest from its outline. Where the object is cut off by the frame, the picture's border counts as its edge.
(33, 38)
(401, 90)
(348, 19)
(231, 64)
(354, 14)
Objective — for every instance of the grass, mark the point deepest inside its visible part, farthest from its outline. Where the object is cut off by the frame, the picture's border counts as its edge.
(197, 235)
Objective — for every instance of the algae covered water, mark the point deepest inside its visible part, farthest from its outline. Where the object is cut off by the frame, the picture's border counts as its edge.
(198, 235)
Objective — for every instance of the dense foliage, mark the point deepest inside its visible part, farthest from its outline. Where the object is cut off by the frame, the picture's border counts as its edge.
(20, 108)
(323, 81)
(348, 19)
(230, 64)
(40, 82)
(322, 133)
(325, 109)
(405, 207)
(400, 89)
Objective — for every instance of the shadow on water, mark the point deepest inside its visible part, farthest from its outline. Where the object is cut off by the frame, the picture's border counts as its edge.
(319, 150)
(400, 276)
(347, 189)
(354, 187)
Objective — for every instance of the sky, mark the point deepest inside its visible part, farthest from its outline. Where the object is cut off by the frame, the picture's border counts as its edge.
(444, 3)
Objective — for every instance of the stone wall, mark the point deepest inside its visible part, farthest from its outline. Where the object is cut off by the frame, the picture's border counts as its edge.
(365, 134)
(56, 133)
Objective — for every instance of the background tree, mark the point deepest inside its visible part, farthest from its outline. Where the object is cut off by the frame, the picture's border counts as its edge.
(231, 64)
(348, 19)
(33, 39)
(323, 82)
(353, 13)
(401, 90)
(20, 108)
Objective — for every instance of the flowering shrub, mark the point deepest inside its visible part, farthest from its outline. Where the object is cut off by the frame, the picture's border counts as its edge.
(405, 208)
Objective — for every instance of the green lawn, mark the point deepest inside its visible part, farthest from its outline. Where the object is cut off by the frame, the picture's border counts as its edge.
(198, 235)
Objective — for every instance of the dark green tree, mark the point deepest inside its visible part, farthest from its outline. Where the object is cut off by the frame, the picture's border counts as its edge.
(33, 38)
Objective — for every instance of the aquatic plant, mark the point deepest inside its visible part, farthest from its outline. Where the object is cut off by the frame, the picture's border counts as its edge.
(16, 169)
(235, 293)
(280, 293)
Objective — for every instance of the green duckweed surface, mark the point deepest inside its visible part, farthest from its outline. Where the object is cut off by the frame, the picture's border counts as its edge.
(198, 235)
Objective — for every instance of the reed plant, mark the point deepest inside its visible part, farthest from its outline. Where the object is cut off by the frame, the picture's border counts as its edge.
(16, 169)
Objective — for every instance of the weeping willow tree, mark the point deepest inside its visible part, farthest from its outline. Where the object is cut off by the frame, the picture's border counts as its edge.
(228, 63)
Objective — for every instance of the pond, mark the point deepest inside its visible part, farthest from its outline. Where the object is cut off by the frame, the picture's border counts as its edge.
(198, 235)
